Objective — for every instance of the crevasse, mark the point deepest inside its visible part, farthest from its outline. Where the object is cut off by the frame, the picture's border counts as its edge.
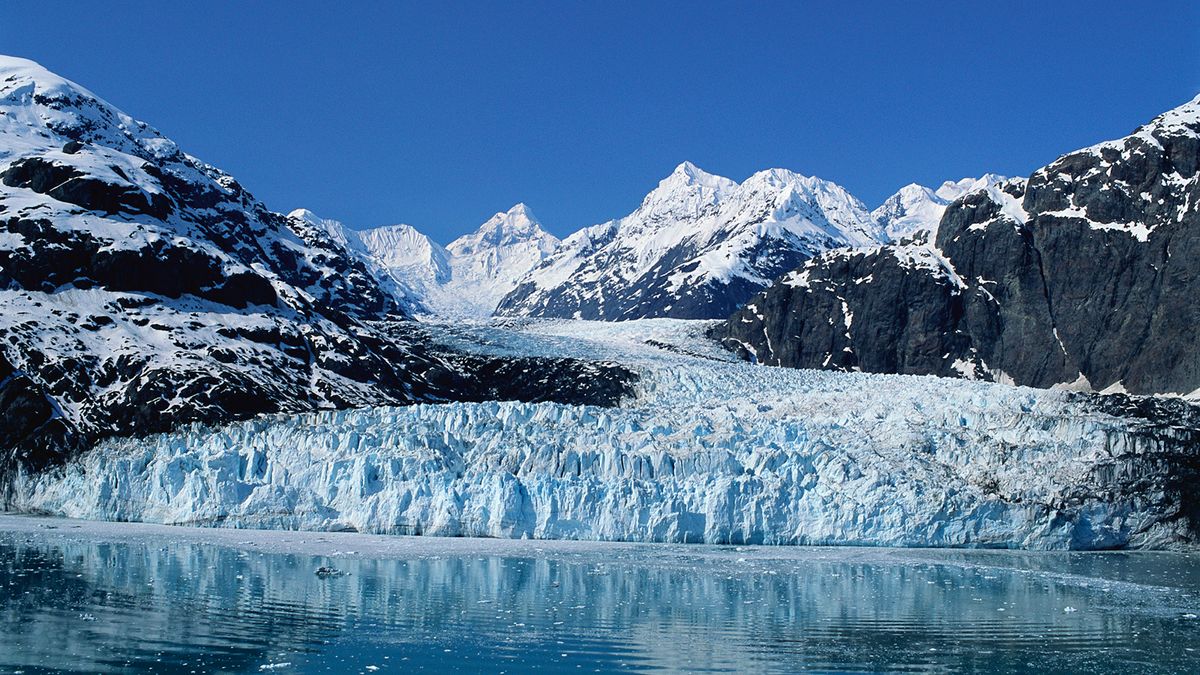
(708, 451)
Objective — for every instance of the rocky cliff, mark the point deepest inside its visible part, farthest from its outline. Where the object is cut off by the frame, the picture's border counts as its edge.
(1085, 275)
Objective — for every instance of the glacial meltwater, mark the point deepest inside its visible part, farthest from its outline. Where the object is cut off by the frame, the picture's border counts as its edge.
(107, 597)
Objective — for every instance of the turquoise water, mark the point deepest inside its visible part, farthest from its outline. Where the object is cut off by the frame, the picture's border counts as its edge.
(78, 601)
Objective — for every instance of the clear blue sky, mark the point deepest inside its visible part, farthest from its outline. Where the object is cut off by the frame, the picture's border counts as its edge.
(441, 113)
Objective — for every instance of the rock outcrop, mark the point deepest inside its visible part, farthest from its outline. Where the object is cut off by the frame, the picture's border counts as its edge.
(1085, 275)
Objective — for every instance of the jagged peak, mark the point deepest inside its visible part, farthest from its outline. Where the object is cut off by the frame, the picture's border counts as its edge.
(305, 215)
(517, 220)
(916, 189)
(45, 109)
(688, 174)
(515, 226)
(397, 228)
(778, 175)
(331, 230)
(401, 245)
(522, 209)
(687, 191)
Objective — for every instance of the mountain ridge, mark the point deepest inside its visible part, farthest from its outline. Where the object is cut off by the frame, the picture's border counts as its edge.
(695, 247)
(1081, 276)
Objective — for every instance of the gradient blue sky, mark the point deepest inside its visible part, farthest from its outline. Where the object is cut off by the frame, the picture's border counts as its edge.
(440, 114)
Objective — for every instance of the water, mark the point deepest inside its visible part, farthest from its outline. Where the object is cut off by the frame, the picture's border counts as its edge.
(94, 597)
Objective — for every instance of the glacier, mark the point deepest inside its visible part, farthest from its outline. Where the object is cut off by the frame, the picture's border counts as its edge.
(707, 450)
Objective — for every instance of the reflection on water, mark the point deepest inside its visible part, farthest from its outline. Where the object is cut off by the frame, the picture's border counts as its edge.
(159, 604)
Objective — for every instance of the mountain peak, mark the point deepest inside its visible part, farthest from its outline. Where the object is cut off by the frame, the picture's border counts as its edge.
(1188, 113)
(915, 210)
(305, 215)
(508, 228)
(520, 215)
(690, 174)
(685, 193)
(952, 190)
(686, 168)
(781, 178)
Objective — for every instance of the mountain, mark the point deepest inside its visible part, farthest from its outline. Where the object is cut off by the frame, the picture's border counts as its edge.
(1082, 276)
(142, 289)
(468, 277)
(915, 210)
(698, 246)
(359, 245)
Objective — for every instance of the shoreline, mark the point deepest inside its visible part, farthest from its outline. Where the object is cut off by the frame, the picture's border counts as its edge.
(366, 545)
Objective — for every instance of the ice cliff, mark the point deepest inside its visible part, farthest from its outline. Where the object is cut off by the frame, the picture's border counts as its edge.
(706, 451)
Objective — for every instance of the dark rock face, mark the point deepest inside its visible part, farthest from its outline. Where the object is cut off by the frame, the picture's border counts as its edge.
(70, 185)
(654, 295)
(34, 432)
(881, 332)
(569, 381)
(1159, 463)
(1085, 274)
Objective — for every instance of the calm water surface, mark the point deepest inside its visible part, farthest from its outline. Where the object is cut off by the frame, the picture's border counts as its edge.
(76, 600)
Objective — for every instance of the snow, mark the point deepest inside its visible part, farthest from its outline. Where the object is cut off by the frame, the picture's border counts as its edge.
(697, 229)
(915, 210)
(1139, 231)
(953, 190)
(468, 277)
(926, 257)
(809, 457)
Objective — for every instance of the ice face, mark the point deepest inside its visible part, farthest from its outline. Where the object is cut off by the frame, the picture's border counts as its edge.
(707, 451)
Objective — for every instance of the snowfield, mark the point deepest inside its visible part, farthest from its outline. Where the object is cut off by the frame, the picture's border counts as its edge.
(708, 450)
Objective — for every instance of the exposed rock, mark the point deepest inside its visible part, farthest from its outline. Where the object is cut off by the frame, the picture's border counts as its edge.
(1084, 276)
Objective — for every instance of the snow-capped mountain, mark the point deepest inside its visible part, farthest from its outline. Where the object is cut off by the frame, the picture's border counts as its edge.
(142, 289)
(1082, 276)
(468, 277)
(697, 247)
(407, 253)
(915, 210)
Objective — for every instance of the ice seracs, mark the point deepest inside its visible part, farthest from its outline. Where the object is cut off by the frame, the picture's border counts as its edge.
(706, 450)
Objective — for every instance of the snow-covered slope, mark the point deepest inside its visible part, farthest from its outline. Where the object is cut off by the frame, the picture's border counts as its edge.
(915, 210)
(707, 450)
(697, 247)
(468, 277)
